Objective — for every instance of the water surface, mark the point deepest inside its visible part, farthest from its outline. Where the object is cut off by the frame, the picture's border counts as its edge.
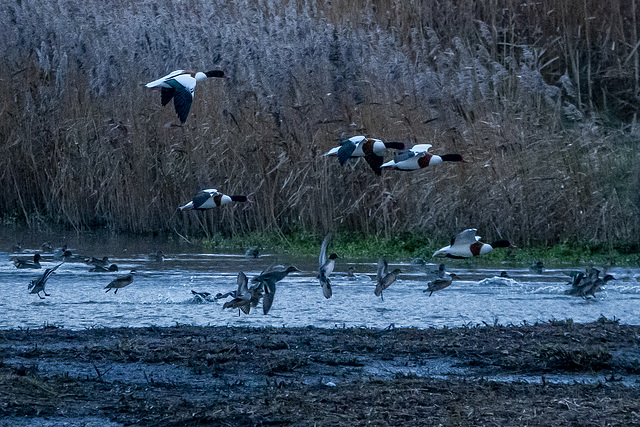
(161, 293)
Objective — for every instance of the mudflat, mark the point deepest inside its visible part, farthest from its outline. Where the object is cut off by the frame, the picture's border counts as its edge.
(555, 373)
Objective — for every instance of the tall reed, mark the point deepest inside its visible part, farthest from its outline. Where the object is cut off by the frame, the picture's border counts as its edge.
(540, 97)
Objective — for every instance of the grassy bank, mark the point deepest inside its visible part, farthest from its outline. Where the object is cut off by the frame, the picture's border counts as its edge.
(408, 247)
(540, 98)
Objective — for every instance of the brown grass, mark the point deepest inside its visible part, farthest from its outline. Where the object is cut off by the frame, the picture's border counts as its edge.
(541, 97)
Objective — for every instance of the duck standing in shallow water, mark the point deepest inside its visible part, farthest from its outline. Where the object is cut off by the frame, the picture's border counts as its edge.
(179, 85)
(467, 245)
(120, 282)
(418, 157)
(326, 266)
(36, 286)
(384, 278)
(371, 149)
(25, 263)
(537, 268)
(211, 198)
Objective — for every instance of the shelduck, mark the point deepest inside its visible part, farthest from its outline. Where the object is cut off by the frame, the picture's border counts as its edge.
(211, 198)
(179, 85)
(467, 245)
(373, 150)
(418, 157)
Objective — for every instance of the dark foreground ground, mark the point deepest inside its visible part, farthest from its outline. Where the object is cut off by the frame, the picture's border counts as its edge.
(556, 373)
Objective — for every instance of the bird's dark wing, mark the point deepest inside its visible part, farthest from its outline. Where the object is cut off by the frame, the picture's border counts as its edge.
(200, 199)
(49, 271)
(166, 95)
(323, 252)
(182, 100)
(346, 150)
(269, 294)
(374, 161)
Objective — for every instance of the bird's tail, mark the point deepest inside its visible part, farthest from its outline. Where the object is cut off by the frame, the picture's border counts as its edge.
(187, 206)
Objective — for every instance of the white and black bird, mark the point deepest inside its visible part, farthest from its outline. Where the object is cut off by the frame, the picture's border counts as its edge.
(371, 149)
(384, 277)
(418, 157)
(242, 298)
(268, 281)
(37, 285)
(466, 245)
(211, 198)
(179, 85)
(120, 282)
(326, 266)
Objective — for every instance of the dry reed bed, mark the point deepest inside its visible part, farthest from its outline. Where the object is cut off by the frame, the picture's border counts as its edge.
(541, 98)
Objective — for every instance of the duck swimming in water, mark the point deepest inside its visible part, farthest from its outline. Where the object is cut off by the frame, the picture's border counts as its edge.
(466, 245)
(371, 149)
(180, 85)
(102, 269)
(211, 198)
(25, 263)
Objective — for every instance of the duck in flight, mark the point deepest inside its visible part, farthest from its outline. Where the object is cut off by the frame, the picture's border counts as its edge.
(242, 299)
(384, 277)
(120, 282)
(418, 157)
(211, 198)
(326, 266)
(179, 85)
(268, 281)
(371, 149)
(466, 245)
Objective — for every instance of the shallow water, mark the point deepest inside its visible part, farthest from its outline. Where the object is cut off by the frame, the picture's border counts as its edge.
(161, 293)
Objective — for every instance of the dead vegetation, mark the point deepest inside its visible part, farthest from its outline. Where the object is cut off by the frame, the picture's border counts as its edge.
(304, 376)
(540, 97)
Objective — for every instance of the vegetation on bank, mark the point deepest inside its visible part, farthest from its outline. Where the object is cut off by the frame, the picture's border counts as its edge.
(410, 247)
(541, 98)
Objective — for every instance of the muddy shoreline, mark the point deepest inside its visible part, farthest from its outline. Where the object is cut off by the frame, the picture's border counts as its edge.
(557, 373)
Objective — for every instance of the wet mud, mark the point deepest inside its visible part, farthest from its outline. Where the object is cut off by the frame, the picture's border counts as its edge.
(556, 373)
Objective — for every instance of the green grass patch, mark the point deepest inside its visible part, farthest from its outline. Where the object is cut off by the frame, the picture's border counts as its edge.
(407, 247)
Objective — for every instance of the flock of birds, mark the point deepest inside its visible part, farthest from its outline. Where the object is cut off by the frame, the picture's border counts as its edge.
(263, 286)
(179, 86)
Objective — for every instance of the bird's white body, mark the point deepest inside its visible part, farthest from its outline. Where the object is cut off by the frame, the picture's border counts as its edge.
(378, 147)
(185, 78)
(412, 158)
(465, 245)
(210, 199)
